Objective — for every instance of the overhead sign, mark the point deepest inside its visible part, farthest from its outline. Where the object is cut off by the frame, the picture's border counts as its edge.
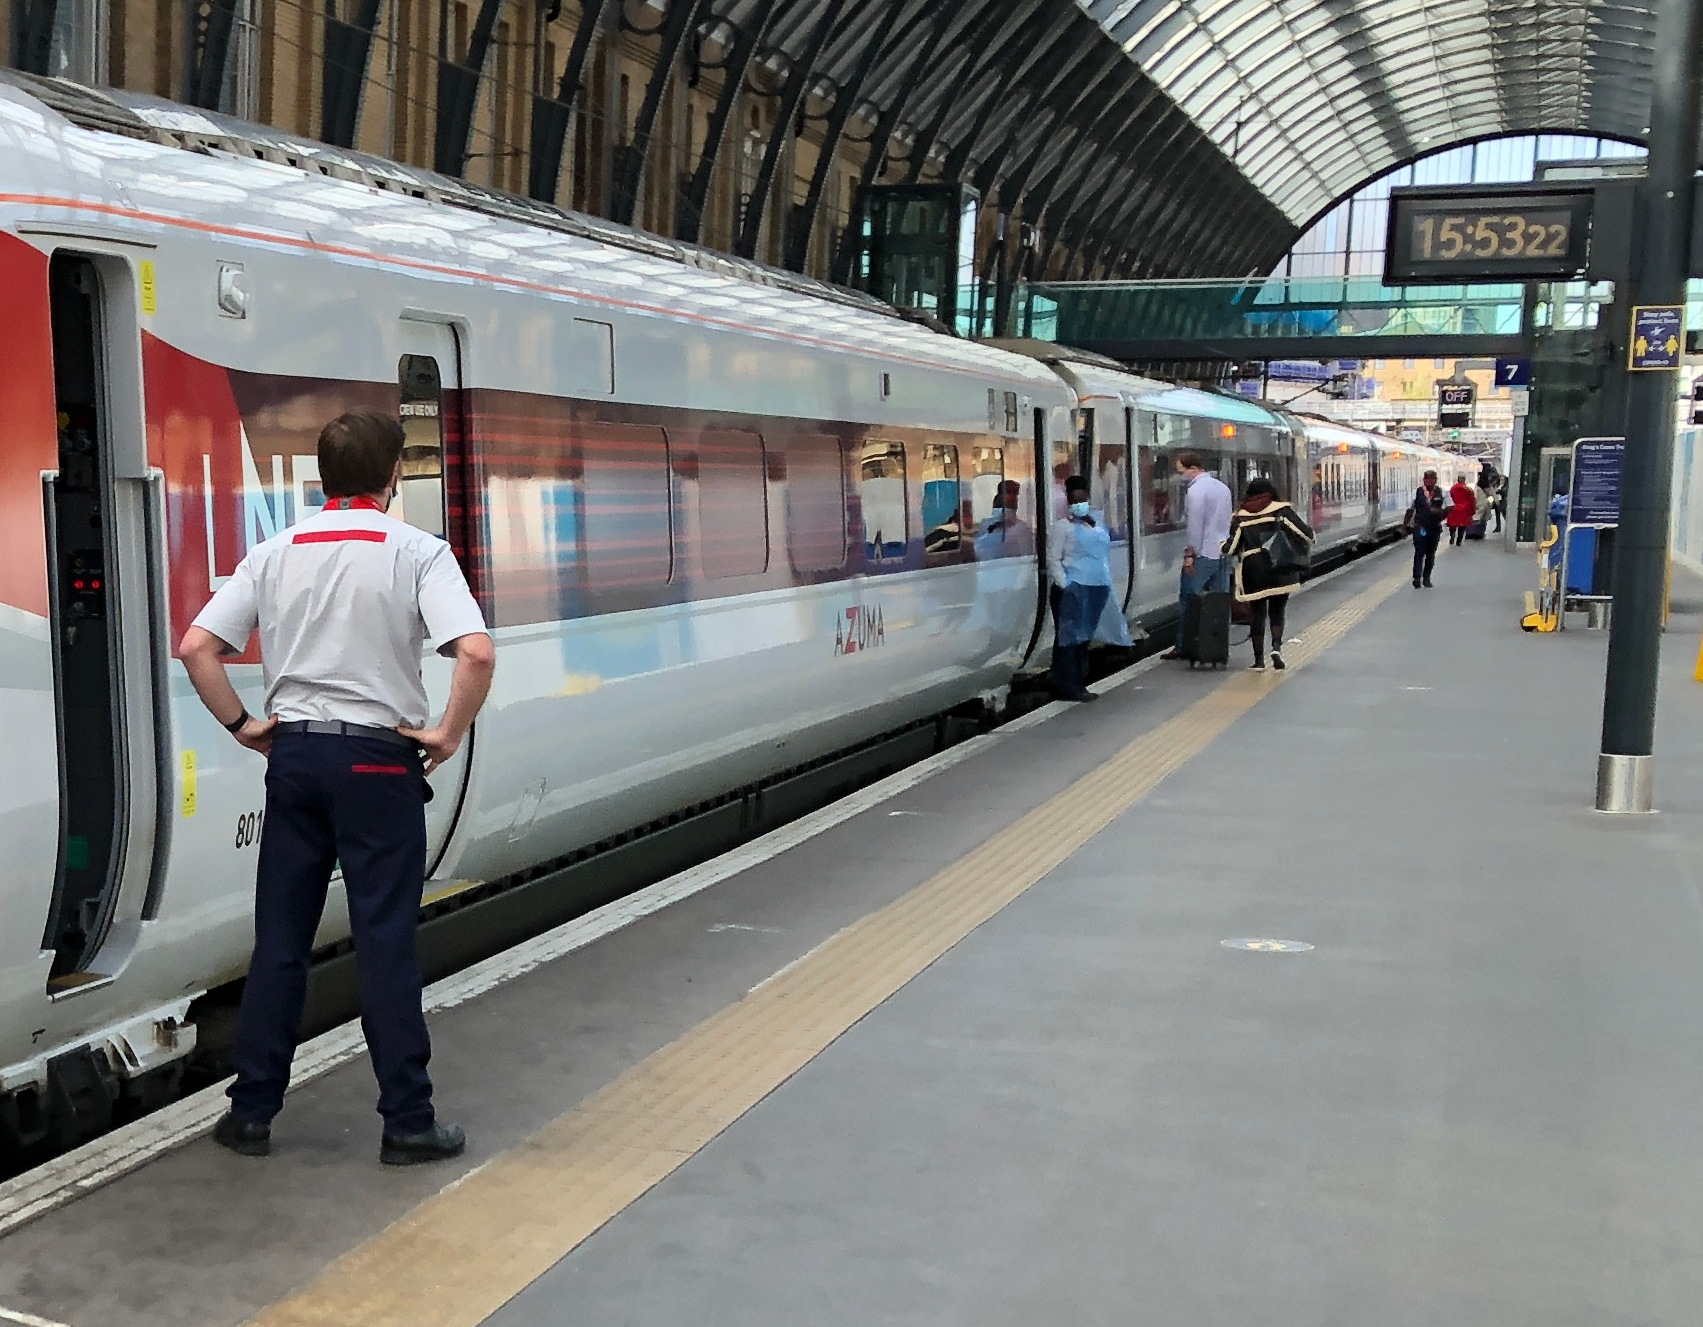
(1298, 370)
(1470, 233)
(1513, 373)
(1454, 404)
(1595, 499)
(1658, 332)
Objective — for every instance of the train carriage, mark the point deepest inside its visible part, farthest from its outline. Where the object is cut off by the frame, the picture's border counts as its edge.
(721, 526)
(726, 524)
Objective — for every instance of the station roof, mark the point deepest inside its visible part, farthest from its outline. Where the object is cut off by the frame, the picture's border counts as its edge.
(1312, 98)
(1257, 114)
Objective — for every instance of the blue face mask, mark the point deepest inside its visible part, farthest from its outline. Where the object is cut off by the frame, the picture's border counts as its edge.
(1079, 509)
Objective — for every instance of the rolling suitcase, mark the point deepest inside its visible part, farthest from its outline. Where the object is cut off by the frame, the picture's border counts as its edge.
(1206, 629)
(1475, 530)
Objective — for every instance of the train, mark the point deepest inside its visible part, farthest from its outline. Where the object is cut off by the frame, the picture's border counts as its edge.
(724, 523)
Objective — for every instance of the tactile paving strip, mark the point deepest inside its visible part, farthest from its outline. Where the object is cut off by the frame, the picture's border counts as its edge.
(461, 1255)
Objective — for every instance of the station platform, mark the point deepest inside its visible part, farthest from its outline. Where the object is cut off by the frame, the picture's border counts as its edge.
(1292, 999)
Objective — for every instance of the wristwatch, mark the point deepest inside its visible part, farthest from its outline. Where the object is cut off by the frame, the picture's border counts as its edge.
(235, 725)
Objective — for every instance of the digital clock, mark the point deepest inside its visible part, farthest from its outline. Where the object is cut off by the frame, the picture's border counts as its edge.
(1449, 235)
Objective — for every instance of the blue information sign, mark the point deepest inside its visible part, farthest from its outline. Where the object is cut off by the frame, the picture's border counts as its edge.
(1513, 373)
(1658, 334)
(1596, 481)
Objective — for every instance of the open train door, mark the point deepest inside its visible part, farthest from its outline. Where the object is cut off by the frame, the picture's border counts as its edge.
(429, 375)
(104, 519)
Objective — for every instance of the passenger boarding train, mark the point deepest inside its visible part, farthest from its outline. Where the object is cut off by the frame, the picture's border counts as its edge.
(723, 522)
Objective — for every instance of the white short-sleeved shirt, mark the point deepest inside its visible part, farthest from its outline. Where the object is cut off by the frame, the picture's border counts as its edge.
(345, 602)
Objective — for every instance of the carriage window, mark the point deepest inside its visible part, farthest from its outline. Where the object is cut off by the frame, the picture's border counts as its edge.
(732, 493)
(987, 484)
(421, 490)
(625, 492)
(1159, 482)
(942, 527)
(815, 504)
(881, 494)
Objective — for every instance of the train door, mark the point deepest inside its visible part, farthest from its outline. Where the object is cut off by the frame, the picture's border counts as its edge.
(1132, 533)
(428, 375)
(1046, 463)
(107, 621)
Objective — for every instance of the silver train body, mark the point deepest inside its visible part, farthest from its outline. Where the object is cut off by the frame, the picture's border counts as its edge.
(723, 525)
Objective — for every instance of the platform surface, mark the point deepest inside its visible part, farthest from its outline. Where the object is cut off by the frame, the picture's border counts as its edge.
(978, 1055)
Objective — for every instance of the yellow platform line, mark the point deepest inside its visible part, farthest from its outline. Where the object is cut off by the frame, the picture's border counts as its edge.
(457, 1258)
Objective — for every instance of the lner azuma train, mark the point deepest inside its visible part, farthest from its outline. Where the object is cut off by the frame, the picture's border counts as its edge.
(724, 522)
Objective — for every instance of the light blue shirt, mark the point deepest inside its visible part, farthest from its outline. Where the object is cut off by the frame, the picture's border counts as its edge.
(1079, 553)
(1207, 506)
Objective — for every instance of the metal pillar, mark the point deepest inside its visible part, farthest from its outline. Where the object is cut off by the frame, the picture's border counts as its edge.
(552, 117)
(1624, 768)
(630, 173)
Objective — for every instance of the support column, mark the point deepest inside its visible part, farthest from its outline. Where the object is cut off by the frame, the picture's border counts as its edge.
(1624, 769)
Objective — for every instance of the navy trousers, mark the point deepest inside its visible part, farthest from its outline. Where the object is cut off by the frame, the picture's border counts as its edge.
(358, 802)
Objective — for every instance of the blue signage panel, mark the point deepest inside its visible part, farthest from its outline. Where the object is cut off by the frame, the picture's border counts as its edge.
(1298, 370)
(1658, 333)
(1596, 481)
(1513, 373)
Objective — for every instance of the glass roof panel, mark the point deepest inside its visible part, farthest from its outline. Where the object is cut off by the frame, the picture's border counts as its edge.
(1312, 97)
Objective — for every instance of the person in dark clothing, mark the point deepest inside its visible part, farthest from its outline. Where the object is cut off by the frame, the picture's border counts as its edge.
(1427, 517)
(1270, 546)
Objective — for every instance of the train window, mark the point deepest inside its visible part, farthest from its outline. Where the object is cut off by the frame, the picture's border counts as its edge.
(625, 497)
(815, 504)
(987, 480)
(732, 501)
(881, 495)
(1161, 490)
(941, 521)
(421, 490)
(1106, 483)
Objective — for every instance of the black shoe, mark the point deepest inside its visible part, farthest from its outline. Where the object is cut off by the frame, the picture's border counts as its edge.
(1427, 582)
(438, 1143)
(1277, 661)
(243, 1138)
(1416, 582)
(1084, 694)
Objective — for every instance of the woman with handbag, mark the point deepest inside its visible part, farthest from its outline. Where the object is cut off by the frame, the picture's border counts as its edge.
(1270, 546)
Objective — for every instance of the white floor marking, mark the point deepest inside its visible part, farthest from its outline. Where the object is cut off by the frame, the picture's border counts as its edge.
(27, 1319)
(738, 926)
(96, 1163)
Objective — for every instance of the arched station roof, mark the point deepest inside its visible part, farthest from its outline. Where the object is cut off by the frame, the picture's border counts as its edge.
(1175, 137)
(1313, 98)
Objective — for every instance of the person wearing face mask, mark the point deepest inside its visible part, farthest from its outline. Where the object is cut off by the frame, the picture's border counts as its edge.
(344, 602)
(1079, 552)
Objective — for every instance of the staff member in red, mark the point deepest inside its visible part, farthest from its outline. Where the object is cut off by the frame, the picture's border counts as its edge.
(344, 602)
(1463, 506)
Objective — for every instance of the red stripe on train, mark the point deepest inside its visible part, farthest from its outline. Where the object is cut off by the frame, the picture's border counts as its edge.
(338, 536)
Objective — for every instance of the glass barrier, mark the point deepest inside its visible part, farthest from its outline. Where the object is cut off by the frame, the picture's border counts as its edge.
(1087, 311)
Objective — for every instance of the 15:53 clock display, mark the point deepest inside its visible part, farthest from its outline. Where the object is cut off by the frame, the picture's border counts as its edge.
(1448, 235)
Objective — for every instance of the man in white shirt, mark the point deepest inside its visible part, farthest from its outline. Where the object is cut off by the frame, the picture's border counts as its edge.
(1206, 512)
(344, 602)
